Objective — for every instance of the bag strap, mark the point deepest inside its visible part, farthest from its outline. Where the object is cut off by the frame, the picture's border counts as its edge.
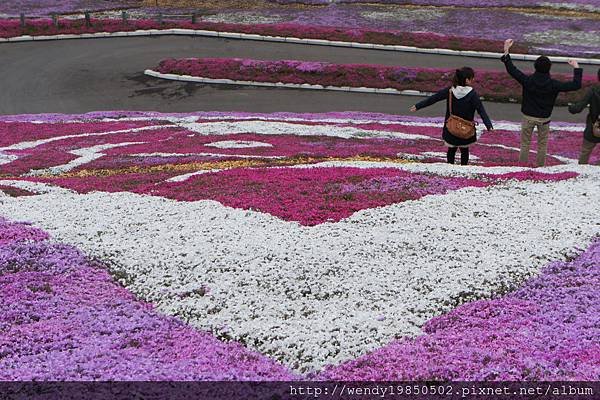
(450, 100)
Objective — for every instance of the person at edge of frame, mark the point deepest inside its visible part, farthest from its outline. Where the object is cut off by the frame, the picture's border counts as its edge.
(591, 99)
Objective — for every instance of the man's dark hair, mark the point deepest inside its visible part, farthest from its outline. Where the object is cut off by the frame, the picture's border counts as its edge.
(543, 64)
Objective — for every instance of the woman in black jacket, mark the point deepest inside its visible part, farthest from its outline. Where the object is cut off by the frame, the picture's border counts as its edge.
(465, 102)
(592, 99)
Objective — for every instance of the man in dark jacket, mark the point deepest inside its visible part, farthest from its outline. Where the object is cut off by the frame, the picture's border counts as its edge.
(539, 95)
(592, 99)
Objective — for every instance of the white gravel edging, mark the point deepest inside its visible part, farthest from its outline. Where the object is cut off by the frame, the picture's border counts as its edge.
(197, 79)
(318, 42)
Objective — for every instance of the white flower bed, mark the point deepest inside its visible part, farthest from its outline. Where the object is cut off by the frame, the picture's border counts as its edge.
(571, 6)
(403, 14)
(243, 17)
(591, 39)
(238, 144)
(316, 295)
(295, 292)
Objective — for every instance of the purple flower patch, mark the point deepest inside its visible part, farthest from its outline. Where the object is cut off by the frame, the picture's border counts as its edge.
(64, 318)
(547, 330)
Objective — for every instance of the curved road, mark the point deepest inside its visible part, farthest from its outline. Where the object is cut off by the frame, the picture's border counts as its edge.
(76, 76)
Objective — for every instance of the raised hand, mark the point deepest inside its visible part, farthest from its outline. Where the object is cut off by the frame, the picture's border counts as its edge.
(507, 45)
(574, 63)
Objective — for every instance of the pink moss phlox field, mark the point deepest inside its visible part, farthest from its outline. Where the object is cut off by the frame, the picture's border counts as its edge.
(69, 137)
(12, 28)
(21, 131)
(493, 149)
(33, 160)
(46, 7)
(64, 318)
(312, 196)
(561, 143)
(146, 161)
(226, 115)
(548, 330)
(170, 139)
(493, 85)
(11, 232)
(280, 146)
(125, 182)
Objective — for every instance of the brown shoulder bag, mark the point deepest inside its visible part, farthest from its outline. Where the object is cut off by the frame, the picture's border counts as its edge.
(457, 126)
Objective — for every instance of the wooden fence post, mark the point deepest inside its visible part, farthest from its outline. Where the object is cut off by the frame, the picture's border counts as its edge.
(88, 21)
(22, 20)
(54, 19)
(194, 18)
(160, 18)
(124, 17)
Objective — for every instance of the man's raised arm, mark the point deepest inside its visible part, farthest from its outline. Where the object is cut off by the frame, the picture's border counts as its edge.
(510, 67)
(575, 84)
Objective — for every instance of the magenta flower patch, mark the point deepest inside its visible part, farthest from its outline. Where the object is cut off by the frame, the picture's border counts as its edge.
(493, 85)
(310, 196)
(236, 161)
(22, 131)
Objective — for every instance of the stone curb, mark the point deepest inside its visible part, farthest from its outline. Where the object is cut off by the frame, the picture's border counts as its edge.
(189, 78)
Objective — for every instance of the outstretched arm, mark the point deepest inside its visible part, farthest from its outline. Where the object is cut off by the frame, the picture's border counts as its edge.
(510, 67)
(578, 107)
(512, 70)
(484, 116)
(439, 96)
(575, 84)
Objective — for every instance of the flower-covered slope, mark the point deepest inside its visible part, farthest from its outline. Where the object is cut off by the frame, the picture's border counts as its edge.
(546, 330)
(491, 85)
(549, 27)
(56, 300)
(232, 161)
(63, 317)
(331, 234)
(471, 29)
(46, 7)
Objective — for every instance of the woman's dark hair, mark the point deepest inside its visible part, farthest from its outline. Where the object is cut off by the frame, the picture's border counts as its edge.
(461, 76)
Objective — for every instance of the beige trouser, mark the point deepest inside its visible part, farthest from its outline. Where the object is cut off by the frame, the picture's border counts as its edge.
(543, 130)
(586, 151)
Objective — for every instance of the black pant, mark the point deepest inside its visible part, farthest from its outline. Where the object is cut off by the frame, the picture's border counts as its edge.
(464, 155)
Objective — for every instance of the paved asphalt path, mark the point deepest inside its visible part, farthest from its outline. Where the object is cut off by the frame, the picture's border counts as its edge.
(76, 76)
